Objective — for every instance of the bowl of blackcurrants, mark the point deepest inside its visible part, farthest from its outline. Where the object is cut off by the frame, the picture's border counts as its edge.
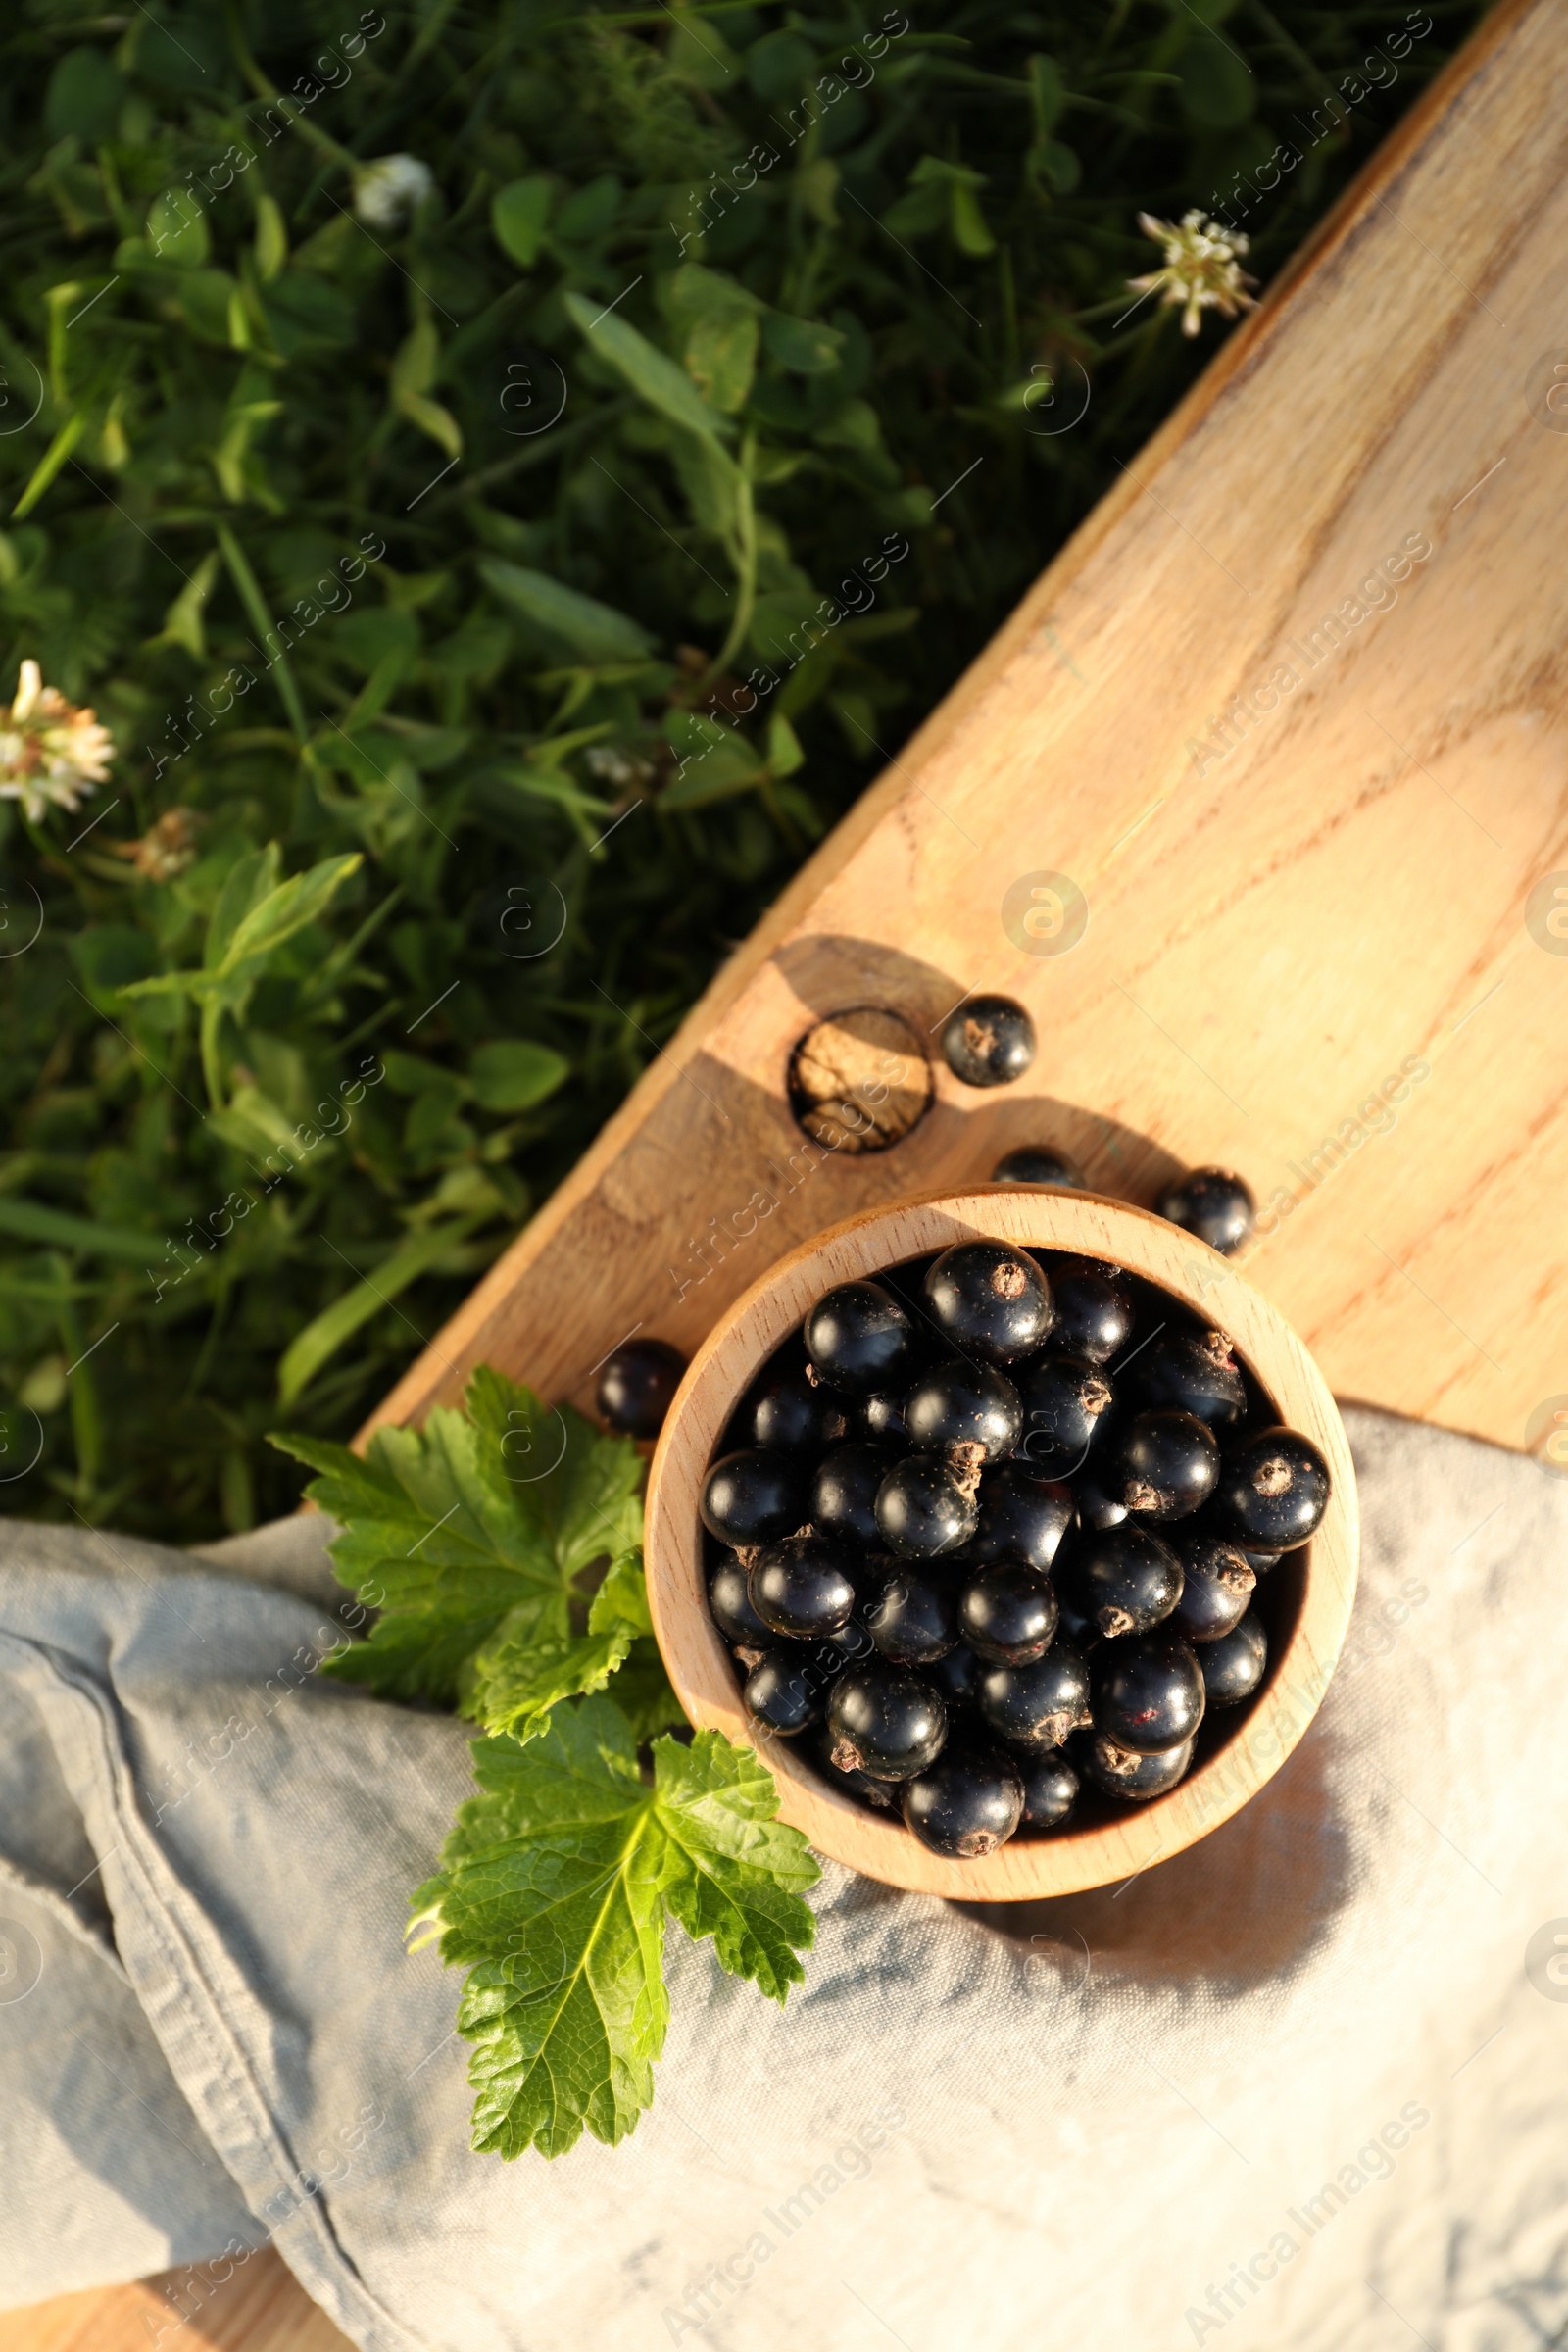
(1014, 1530)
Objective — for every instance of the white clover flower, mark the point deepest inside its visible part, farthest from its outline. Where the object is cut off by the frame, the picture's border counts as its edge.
(391, 187)
(1200, 272)
(51, 753)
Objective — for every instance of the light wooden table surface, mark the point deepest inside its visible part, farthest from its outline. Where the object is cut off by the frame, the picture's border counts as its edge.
(1355, 885)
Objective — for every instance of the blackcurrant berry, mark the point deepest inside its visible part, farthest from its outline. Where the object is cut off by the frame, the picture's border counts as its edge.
(793, 1415)
(924, 1508)
(844, 1494)
(1213, 1205)
(885, 1721)
(967, 1804)
(958, 1677)
(851, 1781)
(1098, 1507)
(988, 1040)
(1039, 1705)
(783, 1695)
(1148, 1692)
(913, 1620)
(637, 1386)
(1260, 1561)
(1039, 1163)
(882, 1417)
(992, 1300)
(802, 1587)
(1216, 1586)
(1074, 1620)
(1064, 1399)
(1127, 1578)
(1163, 1463)
(730, 1600)
(963, 1403)
(1022, 1513)
(1199, 1374)
(1233, 1666)
(1007, 1612)
(1126, 1771)
(1273, 1489)
(754, 1497)
(1093, 1309)
(1050, 1786)
(861, 1340)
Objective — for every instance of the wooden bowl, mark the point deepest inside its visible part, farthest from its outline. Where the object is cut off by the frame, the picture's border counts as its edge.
(1306, 1598)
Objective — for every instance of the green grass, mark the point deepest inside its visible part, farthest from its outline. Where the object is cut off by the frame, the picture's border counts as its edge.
(272, 1105)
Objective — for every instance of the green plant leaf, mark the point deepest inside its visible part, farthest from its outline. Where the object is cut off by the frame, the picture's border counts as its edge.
(652, 375)
(596, 631)
(451, 1529)
(552, 1891)
(335, 1325)
(513, 1074)
(517, 215)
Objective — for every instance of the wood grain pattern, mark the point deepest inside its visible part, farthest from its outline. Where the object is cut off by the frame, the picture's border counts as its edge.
(1309, 1601)
(1267, 940)
(260, 2308)
(1275, 928)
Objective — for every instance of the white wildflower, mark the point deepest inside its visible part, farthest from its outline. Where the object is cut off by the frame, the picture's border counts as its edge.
(614, 765)
(391, 187)
(51, 753)
(1202, 269)
(165, 850)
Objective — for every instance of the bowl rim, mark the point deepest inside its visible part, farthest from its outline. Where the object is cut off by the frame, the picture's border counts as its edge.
(1079, 1224)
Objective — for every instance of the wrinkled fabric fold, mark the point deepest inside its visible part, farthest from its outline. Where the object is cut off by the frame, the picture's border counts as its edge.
(1299, 2086)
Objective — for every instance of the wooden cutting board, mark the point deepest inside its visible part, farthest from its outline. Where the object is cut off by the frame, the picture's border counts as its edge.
(1323, 941)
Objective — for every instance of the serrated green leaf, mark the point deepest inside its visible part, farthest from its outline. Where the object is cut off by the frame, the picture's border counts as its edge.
(553, 1890)
(453, 1529)
(732, 1871)
(517, 1677)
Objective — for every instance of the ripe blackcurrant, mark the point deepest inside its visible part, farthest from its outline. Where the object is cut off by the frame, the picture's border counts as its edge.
(992, 1300)
(956, 1676)
(783, 1695)
(851, 1781)
(1273, 1489)
(1098, 1507)
(1213, 1205)
(730, 1600)
(1163, 1463)
(802, 1587)
(1022, 1513)
(754, 1497)
(1049, 1785)
(1039, 1705)
(913, 1619)
(793, 1415)
(1199, 1374)
(1093, 1309)
(924, 1508)
(882, 1417)
(1127, 1772)
(1233, 1666)
(967, 1804)
(988, 1040)
(844, 1494)
(885, 1721)
(1007, 1612)
(637, 1386)
(1039, 1163)
(1064, 1399)
(1216, 1586)
(1127, 1577)
(1148, 1692)
(861, 1340)
(964, 1404)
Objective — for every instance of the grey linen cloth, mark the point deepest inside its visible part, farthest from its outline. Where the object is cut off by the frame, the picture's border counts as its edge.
(1301, 2087)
